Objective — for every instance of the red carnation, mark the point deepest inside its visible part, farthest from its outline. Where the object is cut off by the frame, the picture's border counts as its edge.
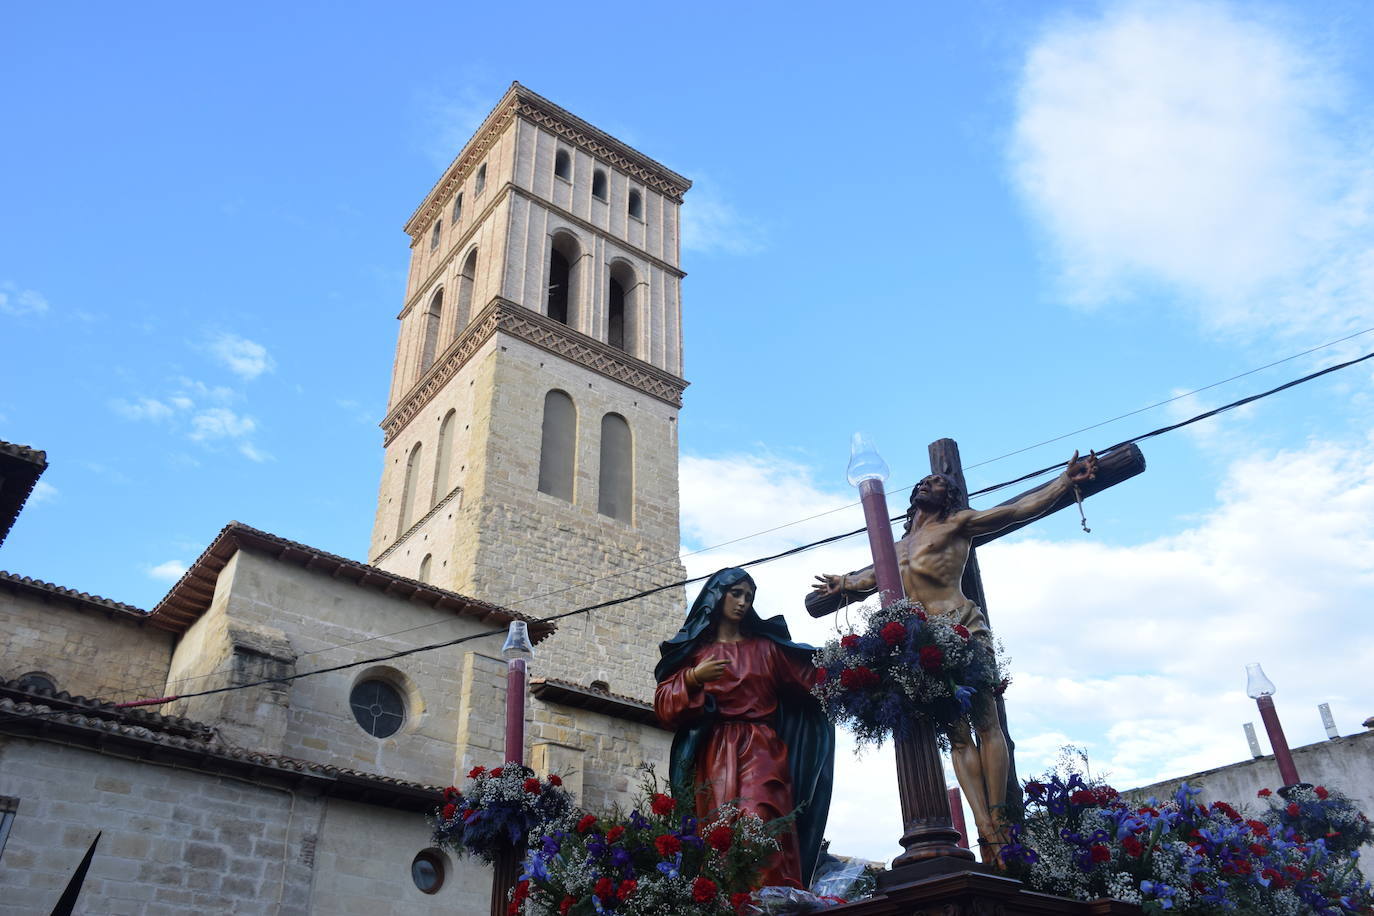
(449, 811)
(739, 900)
(1258, 851)
(1101, 853)
(667, 844)
(605, 887)
(867, 677)
(893, 633)
(921, 615)
(450, 793)
(555, 779)
(1258, 828)
(703, 890)
(521, 892)
(475, 772)
(962, 630)
(822, 675)
(720, 838)
(467, 813)
(1083, 797)
(513, 908)
(588, 820)
(1321, 792)
(1293, 809)
(627, 887)
(565, 905)
(496, 773)
(849, 641)
(1264, 793)
(932, 657)
(847, 679)
(1133, 846)
(614, 833)
(661, 804)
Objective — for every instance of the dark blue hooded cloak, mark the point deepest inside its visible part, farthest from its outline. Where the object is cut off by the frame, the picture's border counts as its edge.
(802, 726)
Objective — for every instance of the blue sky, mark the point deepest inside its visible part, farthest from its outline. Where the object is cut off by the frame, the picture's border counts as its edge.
(997, 222)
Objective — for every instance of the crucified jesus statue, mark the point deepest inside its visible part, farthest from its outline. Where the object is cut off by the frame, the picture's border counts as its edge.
(931, 556)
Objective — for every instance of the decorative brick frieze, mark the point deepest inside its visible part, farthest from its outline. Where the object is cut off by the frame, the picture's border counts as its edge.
(542, 331)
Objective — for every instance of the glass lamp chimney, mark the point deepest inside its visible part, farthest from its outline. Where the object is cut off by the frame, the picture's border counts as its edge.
(1256, 684)
(517, 643)
(864, 461)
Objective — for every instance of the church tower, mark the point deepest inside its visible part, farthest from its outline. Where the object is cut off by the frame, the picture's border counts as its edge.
(531, 433)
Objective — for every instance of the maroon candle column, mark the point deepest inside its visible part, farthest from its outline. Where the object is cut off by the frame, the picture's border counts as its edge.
(874, 499)
(515, 711)
(1288, 771)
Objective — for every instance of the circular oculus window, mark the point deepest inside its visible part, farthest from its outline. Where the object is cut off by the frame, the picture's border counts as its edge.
(378, 707)
(427, 871)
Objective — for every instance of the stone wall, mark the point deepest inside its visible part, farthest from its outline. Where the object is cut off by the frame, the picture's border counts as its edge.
(1345, 763)
(177, 841)
(85, 651)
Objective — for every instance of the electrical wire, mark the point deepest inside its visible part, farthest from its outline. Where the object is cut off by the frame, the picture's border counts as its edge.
(756, 562)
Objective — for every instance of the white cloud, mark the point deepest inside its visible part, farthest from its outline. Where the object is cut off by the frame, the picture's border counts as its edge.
(141, 409)
(243, 357)
(1196, 146)
(711, 225)
(451, 119)
(43, 492)
(170, 571)
(253, 453)
(16, 301)
(191, 388)
(220, 423)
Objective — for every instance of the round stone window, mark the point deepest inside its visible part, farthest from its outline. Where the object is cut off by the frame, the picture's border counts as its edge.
(37, 680)
(378, 707)
(427, 871)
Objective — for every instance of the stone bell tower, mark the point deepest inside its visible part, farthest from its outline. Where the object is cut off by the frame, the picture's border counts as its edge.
(531, 433)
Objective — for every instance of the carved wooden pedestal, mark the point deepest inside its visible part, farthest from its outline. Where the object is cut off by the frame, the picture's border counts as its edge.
(971, 891)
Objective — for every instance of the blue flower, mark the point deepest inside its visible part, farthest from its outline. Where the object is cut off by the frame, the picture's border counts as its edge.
(638, 821)
(620, 857)
(965, 697)
(671, 869)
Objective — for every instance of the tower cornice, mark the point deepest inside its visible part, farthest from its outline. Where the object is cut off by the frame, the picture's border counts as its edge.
(520, 102)
(507, 317)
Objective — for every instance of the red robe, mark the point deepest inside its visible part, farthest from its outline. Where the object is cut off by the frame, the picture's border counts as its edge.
(743, 758)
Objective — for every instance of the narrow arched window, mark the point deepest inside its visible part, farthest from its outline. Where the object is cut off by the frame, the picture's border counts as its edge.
(620, 307)
(408, 490)
(615, 315)
(423, 574)
(443, 458)
(562, 165)
(457, 207)
(599, 184)
(636, 205)
(615, 495)
(558, 445)
(433, 317)
(481, 181)
(561, 300)
(434, 235)
(467, 279)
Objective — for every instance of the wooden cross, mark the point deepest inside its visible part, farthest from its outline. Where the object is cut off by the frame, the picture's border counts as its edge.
(927, 831)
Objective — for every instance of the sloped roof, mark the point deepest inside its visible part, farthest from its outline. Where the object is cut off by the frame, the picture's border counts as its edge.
(147, 741)
(48, 592)
(191, 596)
(582, 696)
(20, 468)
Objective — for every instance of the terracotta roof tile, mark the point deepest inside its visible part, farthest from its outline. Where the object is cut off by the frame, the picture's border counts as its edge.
(85, 599)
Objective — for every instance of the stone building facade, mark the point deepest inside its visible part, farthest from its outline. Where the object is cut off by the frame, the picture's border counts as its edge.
(530, 469)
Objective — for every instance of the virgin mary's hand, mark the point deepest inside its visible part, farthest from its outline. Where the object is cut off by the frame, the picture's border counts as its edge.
(710, 670)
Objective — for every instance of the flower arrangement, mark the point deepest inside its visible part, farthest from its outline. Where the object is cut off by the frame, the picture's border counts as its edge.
(904, 666)
(1315, 811)
(1086, 841)
(497, 810)
(660, 860)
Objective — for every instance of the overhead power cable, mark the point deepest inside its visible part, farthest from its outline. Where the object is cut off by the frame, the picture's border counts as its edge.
(756, 562)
